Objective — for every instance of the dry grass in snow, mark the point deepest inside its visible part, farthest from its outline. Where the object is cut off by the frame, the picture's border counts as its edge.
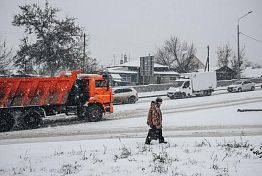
(181, 156)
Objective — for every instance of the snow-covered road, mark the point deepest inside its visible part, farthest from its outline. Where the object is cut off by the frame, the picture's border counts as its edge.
(188, 104)
(215, 115)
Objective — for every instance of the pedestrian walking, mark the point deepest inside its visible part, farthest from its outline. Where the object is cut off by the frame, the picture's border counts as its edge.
(154, 120)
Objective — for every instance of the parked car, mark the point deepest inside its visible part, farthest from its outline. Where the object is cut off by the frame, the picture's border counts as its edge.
(125, 95)
(242, 85)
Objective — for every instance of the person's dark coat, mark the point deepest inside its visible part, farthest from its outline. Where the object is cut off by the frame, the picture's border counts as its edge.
(154, 119)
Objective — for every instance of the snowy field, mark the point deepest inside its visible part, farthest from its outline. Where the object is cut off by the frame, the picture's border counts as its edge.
(181, 156)
(205, 135)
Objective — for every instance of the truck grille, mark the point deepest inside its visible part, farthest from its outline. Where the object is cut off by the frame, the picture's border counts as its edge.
(175, 95)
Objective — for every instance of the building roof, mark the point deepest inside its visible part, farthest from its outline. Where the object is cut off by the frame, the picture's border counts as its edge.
(200, 64)
(136, 63)
(116, 77)
(166, 73)
(225, 68)
(117, 70)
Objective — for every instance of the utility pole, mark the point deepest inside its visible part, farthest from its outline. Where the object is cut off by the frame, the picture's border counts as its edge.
(208, 57)
(238, 52)
(84, 52)
(207, 62)
(238, 55)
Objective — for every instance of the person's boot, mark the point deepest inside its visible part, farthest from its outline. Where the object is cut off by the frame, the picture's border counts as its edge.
(147, 142)
(162, 140)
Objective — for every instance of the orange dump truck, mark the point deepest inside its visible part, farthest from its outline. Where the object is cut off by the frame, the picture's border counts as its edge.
(25, 101)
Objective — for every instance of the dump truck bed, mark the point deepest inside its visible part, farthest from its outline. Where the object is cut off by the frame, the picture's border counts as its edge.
(35, 91)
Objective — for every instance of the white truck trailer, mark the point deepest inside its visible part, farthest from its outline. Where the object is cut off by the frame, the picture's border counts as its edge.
(193, 84)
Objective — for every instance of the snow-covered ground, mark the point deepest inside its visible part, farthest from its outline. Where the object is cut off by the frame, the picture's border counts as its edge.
(182, 156)
(206, 136)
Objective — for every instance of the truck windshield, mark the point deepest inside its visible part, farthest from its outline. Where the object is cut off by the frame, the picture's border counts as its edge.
(178, 83)
(101, 83)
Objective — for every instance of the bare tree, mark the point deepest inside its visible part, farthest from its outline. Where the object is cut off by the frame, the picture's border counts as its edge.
(242, 60)
(5, 58)
(224, 54)
(179, 56)
(227, 57)
(90, 65)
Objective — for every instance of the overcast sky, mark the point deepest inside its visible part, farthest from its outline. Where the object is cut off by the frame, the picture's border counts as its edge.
(139, 27)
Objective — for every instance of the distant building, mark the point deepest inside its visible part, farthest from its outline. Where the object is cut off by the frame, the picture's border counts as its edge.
(225, 73)
(129, 74)
(199, 64)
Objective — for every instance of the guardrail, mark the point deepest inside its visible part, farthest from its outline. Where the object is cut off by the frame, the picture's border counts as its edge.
(248, 110)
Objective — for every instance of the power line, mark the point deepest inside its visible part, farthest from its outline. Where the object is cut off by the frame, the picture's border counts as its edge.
(251, 37)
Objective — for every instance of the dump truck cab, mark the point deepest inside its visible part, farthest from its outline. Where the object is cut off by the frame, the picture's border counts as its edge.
(98, 87)
(91, 95)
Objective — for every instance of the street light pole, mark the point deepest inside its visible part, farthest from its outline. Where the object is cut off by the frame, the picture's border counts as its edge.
(238, 57)
(238, 52)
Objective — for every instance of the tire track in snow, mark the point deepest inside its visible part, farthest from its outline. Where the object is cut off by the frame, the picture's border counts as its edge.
(183, 108)
(79, 133)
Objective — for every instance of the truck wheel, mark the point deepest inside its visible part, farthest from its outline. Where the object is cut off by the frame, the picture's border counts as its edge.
(94, 113)
(252, 88)
(183, 95)
(131, 100)
(6, 122)
(32, 119)
(239, 90)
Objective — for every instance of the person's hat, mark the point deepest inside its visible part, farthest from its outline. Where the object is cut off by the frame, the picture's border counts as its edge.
(159, 99)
